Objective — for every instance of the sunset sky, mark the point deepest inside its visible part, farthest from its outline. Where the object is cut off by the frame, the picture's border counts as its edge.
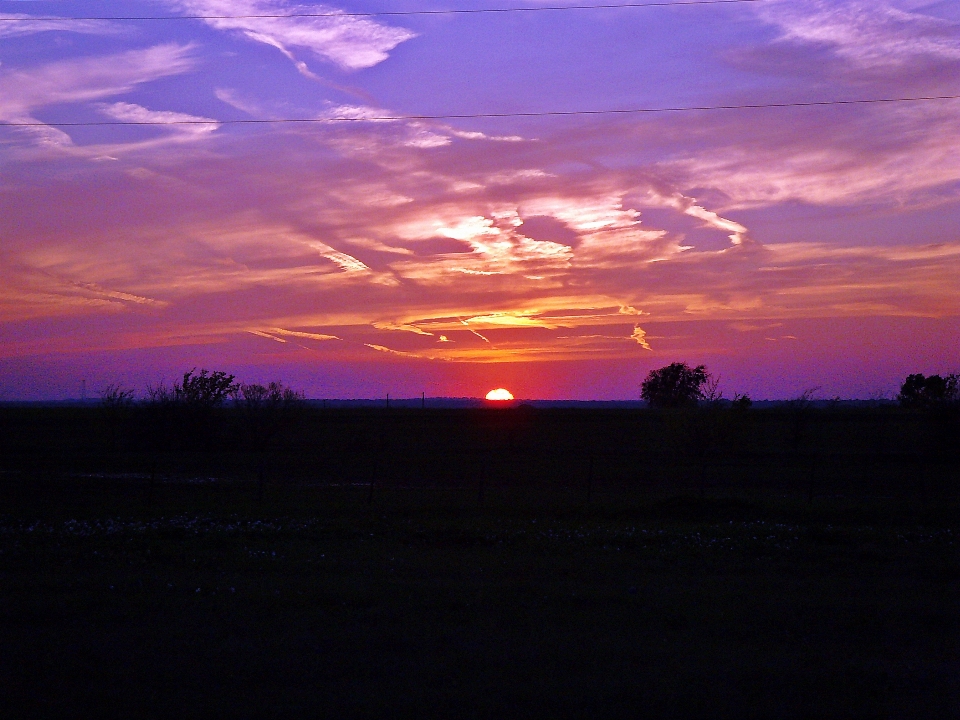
(558, 256)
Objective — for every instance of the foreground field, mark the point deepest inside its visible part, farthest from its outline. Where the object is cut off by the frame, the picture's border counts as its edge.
(196, 600)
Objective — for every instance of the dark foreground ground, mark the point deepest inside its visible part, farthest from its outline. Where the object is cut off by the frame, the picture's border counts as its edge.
(197, 600)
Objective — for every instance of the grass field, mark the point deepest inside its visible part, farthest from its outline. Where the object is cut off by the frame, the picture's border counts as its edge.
(205, 602)
(171, 594)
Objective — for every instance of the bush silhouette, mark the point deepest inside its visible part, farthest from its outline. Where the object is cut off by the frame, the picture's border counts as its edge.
(115, 397)
(675, 385)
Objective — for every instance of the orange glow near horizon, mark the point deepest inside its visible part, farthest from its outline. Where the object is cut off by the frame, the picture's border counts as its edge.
(499, 395)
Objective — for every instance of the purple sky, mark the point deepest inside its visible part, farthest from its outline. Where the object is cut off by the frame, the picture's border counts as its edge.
(560, 257)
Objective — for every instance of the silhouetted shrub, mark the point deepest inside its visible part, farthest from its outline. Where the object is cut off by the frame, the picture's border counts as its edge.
(116, 410)
(116, 397)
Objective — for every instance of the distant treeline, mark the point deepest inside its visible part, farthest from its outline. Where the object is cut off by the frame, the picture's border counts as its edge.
(461, 403)
(208, 425)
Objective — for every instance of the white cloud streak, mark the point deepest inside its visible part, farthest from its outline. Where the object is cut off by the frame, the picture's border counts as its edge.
(19, 25)
(872, 34)
(351, 43)
(129, 112)
(86, 79)
(23, 91)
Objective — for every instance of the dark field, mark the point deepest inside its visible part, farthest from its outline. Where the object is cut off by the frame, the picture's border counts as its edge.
(786, 563)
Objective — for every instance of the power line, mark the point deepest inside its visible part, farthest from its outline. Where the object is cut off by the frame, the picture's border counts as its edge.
(480, 116)
(471, 11)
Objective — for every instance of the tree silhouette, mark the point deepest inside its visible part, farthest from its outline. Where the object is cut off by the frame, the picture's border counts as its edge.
(676, 385)
(197, 390)
(184, 413)
(267, 411)
(206, 389)
(274, 396)
(918, 391)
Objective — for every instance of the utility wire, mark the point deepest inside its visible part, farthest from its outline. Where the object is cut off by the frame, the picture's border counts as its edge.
(473, 116)
(471, 11)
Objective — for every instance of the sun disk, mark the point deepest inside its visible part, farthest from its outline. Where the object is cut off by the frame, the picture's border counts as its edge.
(499, 394)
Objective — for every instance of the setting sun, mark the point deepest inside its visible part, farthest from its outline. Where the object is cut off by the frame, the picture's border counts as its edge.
(499, 394)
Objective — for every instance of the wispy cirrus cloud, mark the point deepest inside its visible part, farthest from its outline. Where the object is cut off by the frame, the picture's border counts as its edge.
(35, 290)
(890, 155)
(351, 43)
(88, 78)
(276, 334)
(82, 80)
(870, 35)
(183, 123)
(20, 24)
(404, 327)
(402, 132)
(887, 153)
